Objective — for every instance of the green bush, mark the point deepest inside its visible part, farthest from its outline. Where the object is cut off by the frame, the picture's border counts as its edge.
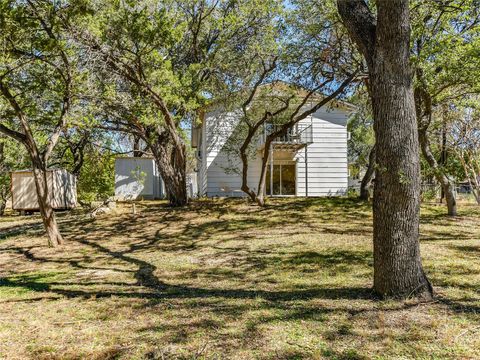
(429, 194)
(97, 177)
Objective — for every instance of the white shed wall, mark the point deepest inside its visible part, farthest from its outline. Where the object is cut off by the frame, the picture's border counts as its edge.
(137, 178)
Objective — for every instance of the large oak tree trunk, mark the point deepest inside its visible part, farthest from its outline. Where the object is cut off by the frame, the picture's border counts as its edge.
(367, 178)
(385, 44)
(397, 263)
(170, 157)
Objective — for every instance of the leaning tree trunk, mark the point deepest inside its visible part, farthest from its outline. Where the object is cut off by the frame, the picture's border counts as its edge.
(262, 181)
(385, 44)
(447, 186)
(263, 171)
(173, 169)
(244, 158)
(44, 203)
(245, 188)
(367, 178)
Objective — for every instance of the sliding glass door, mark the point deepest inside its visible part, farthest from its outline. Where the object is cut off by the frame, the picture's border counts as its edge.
(284, 180)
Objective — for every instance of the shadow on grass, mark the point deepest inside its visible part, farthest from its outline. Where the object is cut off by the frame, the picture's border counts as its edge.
(334, 257)
(191, 236)
(473, 251)
(147, 280)
(165, 291)
(23, 229)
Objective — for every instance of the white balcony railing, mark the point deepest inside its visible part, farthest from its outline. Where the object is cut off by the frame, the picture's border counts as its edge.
(300, 134)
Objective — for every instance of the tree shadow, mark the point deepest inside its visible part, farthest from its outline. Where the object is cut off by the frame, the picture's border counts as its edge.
(148, 286)
(468, 250)
(332, 258)
(23, 229)
(176, 231)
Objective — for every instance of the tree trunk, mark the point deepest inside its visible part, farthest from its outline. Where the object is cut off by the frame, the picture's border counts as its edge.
(423, 104)
(263, 171)
(245, 188)
(367, 178)
(471, 174)
(385, 44)
(444, 153)
(263, 179)
(244, 157)
(476, 194)
(172, 168)
(39, 161)
(177, 193)
(3, 191)
(447, 186)
(137, 152)
(397, 263)
(44, 203)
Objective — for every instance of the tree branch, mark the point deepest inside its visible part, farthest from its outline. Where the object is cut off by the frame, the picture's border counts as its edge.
(67, 77)
(361, 25)
(19, 112)
(12, 133)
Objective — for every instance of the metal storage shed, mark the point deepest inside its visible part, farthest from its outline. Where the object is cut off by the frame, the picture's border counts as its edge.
(61, 184)
(137, 178)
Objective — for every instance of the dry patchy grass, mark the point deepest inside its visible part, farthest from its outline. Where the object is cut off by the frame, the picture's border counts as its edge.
(226, 280)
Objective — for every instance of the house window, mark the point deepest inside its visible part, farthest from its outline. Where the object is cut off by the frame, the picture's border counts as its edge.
(284, 180)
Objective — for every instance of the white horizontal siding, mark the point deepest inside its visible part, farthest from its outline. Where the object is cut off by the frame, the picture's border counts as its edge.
(202, 164)
(221, 178)
(327, 157)
(222, 183)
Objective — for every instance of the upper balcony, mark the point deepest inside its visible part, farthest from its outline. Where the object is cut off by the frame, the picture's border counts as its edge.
(296, 138)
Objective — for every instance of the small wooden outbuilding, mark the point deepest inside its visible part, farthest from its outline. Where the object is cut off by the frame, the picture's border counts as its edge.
(61, 184)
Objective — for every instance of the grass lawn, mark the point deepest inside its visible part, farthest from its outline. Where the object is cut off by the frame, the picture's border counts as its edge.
(226, 280)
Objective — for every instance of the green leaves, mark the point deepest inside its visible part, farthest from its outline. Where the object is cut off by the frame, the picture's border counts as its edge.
(446, 43)
(39, 67)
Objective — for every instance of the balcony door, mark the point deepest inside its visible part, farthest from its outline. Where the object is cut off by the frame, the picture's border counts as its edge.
(284, 179)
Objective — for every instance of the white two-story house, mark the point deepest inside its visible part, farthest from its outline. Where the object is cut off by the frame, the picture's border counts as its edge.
(311, 160)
